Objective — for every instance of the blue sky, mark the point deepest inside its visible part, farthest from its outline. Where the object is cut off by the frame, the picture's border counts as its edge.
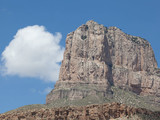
(136, 17)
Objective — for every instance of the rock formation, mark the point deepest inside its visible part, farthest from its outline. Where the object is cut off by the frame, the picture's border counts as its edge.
(97, 57)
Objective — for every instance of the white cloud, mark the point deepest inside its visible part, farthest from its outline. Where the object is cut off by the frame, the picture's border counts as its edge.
(33, 52)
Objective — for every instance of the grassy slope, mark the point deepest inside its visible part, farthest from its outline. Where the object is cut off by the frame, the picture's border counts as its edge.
(119, 95)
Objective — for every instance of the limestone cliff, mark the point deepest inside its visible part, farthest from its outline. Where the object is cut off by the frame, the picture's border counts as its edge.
(97, 57)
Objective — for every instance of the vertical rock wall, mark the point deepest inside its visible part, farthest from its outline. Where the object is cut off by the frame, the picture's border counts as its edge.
(97, 57)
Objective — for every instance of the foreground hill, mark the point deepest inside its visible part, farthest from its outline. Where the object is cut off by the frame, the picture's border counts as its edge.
(89, 112)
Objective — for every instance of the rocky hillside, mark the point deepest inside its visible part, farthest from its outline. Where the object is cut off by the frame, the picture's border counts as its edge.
(92, 112)
(97, 58)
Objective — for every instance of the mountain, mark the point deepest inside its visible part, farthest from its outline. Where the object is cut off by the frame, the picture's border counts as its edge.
(105, 74)
(97, 58)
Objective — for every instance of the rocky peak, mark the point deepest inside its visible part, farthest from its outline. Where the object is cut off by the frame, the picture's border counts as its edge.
(97, 57)
(91, 23)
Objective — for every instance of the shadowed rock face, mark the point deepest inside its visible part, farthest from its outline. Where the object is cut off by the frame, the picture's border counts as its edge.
(97, 57)
(134, 64)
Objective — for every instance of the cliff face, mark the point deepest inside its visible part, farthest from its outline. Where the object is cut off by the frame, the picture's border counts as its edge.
(97, 58)
(134, 64)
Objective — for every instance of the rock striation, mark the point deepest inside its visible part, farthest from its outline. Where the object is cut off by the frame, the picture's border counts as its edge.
(97, 57)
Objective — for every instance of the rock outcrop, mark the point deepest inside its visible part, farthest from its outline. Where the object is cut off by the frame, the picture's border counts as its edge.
(97, 57)
(92, 112)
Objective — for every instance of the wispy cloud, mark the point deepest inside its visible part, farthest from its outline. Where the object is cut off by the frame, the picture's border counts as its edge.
(34, 52)
(46, 90)
(5, 11)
